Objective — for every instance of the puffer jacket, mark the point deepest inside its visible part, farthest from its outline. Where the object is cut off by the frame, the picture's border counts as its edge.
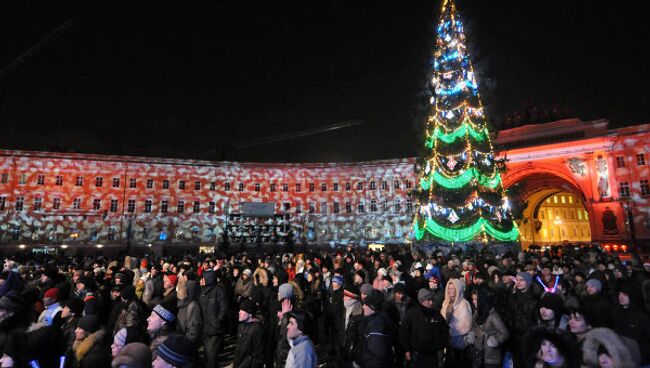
(377, 344)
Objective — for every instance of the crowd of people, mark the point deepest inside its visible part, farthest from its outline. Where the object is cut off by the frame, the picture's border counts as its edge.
(339, 308)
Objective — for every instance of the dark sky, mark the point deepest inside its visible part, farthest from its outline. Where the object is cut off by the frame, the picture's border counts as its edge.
(178, 78)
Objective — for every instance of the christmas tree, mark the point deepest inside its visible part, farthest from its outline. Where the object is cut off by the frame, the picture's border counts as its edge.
(460, 195)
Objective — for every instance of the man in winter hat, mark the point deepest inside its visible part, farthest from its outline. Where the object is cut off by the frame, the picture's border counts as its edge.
(176, 352)
(249, 351)
(302, 353)
(161, 323)
(90, 350)
(133, 355)
(52, 306)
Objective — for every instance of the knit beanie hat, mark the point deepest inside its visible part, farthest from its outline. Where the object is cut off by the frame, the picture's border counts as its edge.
(52, 293)
(247, 272)
(248, 306)
(526, 276)
(351, 291)
(338, 279)
(285, 291)
(172, 278)
(303, 322)
(595, 283)
(128, 335)
(366, 289)
(176, 350)
(133, 355)
(167, 311)
(374, 300)
(424, 294)
(128, 292)
(89, 323)
(76, 306)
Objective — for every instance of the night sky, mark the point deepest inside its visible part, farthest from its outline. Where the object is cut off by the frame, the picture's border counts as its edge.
(192, 79)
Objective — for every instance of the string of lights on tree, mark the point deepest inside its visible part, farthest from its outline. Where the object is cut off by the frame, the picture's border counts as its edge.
(460, 195)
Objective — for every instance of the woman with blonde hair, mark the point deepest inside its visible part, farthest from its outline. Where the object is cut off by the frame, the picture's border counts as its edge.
(458, 313)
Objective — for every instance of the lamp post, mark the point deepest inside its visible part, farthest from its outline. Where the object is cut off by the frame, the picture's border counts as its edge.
(557, 223)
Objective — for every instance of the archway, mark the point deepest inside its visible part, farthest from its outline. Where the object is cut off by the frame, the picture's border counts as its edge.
(557, 211)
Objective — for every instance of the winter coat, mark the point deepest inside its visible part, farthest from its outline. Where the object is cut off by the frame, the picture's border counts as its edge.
(601, 309)
(377, 347)
(492, 327)
(616, 347)
(302, 353)
(521, 312)
(243, 289)
(634, 323)
(423, 330)
(352, 336)
(249, 351)
(282, 347)
(92, 352)
(189, 320)
(460, 321)
(131, 315)
(214, 305)
(68, 328)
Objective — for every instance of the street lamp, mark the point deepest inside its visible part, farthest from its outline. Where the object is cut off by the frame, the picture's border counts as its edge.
(557, 223)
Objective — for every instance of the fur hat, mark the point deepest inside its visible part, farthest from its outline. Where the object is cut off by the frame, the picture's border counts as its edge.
(133, 355)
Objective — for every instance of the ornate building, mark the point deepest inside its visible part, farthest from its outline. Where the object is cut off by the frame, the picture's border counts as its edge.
(66, 199)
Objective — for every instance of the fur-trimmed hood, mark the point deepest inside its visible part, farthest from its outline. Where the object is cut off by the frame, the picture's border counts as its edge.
(617, 349)
(81, 348)
(260, 277)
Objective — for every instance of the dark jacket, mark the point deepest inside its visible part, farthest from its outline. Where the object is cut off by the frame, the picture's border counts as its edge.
(601, 309)
(189, 319)
(249, 352)
(521, 312)
(283, 347)
(377, 348)
(92, 352)
(132, 315)
(634, 323)
(423, 330)
(214, 305)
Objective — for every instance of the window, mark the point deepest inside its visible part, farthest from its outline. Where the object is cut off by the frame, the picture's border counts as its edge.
(114, 205)
(373, 206)
(99, 182)
(196, 208)
(149, 183)
(335, 207)
(165, 184)
(56, 203)
(620, 161)
(76, 203)
(40, 179)
(23, 179)
(360, 185)
(80, 181)
(323, 187)
(257, 187)
(111, 233)
(409, 206)
(285, 187)
(197, 185)
(311, 187)
(563, 200)
(384, 206)
(226, 186)
(116, 182)
(624, 189)
(298, 189)
(323, 208)
(384, 185)
(181, 184)
(38, 204)
(147, 205)
(180, 207)
(348, 186)
(348, 207)
(272, 187)
(373, 186)
(241, 186)
(640, 159)
(312, 207)
(5, 178)
(335, 187)
(361, 208)
(59, 180)
(645, 187)
(579, 214)
(396, 184)
(164, 205)
(213, 185)
(130, 206)
(554, 199)
(408, 184)
(571, 199)
(3, 203)
(286, 206)
(20, 201)
(211, 206)
(398, 206)
(97, 204)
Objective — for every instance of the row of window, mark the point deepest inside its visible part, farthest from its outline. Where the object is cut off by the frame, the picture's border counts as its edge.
(182, 184)
(196, 206)
(640, 160)
(557, 215)
(624, 188)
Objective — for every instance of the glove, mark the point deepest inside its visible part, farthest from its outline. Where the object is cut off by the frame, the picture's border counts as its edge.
(492, 342)
(469, 339)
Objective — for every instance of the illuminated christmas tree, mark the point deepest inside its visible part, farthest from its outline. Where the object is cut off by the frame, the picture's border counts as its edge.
(460, 196)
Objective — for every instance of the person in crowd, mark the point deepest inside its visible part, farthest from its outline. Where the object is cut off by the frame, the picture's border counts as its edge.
(602, 347)
(598, 302)
(133, 355)
(160, 323)
(546, 349)
(550, 313)
(521, 315)
(90, 347)
(458, 313)
(154, 287)
(423, 332)
(126, 336)
(169, 285)
(132, 313)
(70, 315)
(488, 334)
(214, 305)
(243, 286)
(52, 306)
(349, 327)
(377, 335)
(189, 320)
(249, 352)
(302, 353)
(631, 319)
(177, 351)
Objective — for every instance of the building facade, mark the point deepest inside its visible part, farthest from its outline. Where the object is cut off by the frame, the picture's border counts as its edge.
(582, 182)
